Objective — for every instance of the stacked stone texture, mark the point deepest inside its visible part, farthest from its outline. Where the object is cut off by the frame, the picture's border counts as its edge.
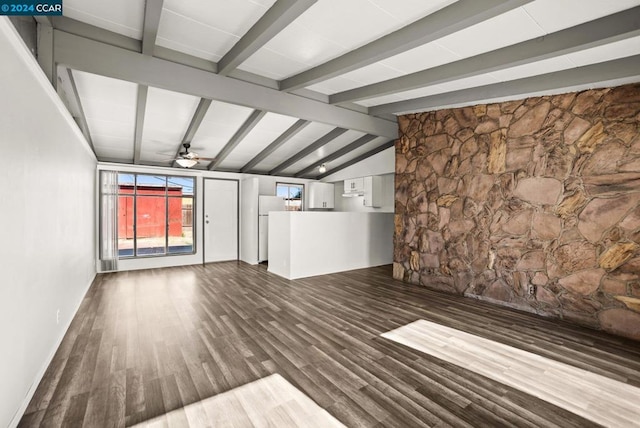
(533, 204)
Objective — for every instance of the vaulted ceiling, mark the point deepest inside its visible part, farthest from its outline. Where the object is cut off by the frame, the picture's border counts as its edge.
(283, 86)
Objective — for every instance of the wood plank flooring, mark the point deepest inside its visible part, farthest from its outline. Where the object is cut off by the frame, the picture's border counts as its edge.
(147, 345)
(593, 396)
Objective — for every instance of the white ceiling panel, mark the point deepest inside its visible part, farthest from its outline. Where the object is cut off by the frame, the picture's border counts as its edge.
(110, 128)
(324, 151)
(332, 20)
(264, 133)
(233, 17)
(118, 93)
(540, 67)
(207, 28)
(166, 120)
(503, 30)
(113, 148)
(469, 82)
(456, 85)
(391, 98)
(326, 30)
(410, 10)
(120, 16)
(300, 47)
(373, 73)
(100, 110)
(363, 76)
(417, 59)
(189, 36)
(608, 52)
(218, 126)
(426, 56)
(337, 84)
(554, 15)
(298, 142)
(231, 165)
(271, 64)
(110, 109)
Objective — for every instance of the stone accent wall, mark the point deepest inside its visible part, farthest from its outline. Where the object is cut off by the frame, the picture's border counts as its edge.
(532, 204)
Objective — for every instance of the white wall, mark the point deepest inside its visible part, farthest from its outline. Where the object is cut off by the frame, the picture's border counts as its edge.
(47, 238)
(252, 186)
(378, 164)
(249, 191)
(265, 185)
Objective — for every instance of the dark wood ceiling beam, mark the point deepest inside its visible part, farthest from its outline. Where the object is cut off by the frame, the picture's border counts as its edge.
(609, 73)
(278, 142)
(337, 154)
(101, 35)
(237, 138)
(448, 20)
(81, 117)
(196, 121)
(152, 12)
(320, 142)
(80, 53)
(610, 29)
(141, 108)
(279, 16)
(88, 31)
(356, 159)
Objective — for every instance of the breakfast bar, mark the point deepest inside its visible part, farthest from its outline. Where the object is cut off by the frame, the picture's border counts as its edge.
(303, 244)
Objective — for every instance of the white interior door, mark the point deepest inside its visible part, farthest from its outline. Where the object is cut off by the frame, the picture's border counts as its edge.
(220, 220)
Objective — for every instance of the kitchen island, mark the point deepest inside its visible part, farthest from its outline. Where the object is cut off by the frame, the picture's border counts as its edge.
(308, 243)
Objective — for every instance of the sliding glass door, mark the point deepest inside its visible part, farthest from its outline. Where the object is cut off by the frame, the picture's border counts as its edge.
(155, 215)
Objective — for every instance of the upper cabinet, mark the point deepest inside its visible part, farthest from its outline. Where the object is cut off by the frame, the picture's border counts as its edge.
(370, 188)
(321, 195)
(372, 191)
(354, 185)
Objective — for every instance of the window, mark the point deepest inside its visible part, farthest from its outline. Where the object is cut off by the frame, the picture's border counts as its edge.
(293, 195)
(155, 215)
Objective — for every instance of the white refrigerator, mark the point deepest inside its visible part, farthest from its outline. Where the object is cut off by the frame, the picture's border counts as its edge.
(266, 204)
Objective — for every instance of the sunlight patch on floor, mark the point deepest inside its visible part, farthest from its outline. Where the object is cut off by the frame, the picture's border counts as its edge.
(595, 397)
(266, 402)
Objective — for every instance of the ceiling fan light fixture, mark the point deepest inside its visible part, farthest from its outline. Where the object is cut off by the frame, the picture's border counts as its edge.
(322, 169)
(186, 163)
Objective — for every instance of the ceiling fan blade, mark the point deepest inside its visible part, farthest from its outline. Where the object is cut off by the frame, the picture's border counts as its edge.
(182, 151)
(196, 158)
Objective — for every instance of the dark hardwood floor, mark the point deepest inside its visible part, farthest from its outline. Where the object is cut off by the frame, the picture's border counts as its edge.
(147, 343)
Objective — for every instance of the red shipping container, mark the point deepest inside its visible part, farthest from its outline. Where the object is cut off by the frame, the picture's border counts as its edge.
(151, 211)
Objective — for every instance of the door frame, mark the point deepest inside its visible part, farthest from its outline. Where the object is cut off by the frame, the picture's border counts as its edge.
(204, 206)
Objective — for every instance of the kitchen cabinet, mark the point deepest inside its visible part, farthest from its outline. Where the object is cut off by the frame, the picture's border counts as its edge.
(372, 191)
(354, 185)
(321, 195)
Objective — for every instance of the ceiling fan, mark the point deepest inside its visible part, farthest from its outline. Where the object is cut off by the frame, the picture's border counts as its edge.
(187, 159)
